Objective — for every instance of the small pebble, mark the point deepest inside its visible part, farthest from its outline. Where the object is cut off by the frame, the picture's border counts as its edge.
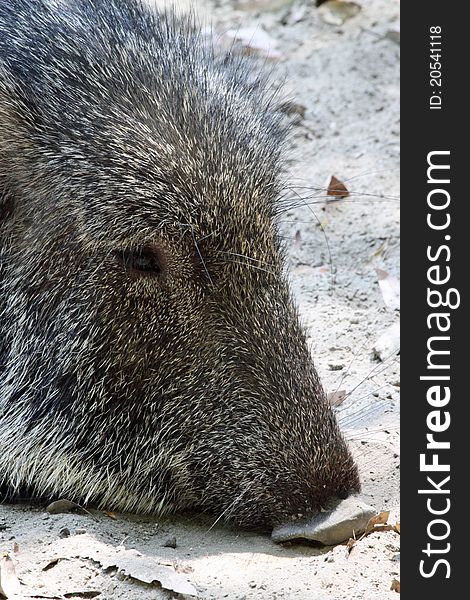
(64, 533)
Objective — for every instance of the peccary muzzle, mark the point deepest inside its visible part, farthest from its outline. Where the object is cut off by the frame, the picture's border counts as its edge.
(151, 356)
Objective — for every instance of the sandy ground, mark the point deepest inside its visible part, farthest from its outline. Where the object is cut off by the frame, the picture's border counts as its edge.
(346, 78)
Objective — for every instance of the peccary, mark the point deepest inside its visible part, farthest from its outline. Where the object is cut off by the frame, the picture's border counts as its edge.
(151, 355)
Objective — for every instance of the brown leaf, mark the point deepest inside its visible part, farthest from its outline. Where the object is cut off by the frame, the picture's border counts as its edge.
(336, 12)
(380, 519)
(84, 594)
(111, 515)
(63, 506)
(337, 188)
(395, 587)
(53, 563)
(350, 545)
(396, 527)
(337, 398)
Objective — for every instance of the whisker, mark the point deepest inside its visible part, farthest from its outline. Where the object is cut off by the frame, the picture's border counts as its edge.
(382, 366)
(245, 264)
(231, 506)
(330, 258)
(249, 258)
(346, 372)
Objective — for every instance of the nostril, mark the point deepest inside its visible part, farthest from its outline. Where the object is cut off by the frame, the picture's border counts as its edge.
(343, 519)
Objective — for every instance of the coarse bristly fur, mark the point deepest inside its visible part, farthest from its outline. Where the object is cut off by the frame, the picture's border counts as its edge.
(151, 356)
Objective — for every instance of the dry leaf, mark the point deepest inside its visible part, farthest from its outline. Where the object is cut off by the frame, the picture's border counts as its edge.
(396, 527)
(390, 288)
(9, 582)
(254, 40)
(337, 188)
(380, 519)
(111, 515)
(83, 594)
(337, 398)
(53, 563)
(63, 506)
(293, 108)
(350, 545)
(145, 569)
(380, 250)
(336, 12)
(395, 587)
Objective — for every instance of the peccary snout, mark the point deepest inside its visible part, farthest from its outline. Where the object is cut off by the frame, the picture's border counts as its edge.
(151, 356)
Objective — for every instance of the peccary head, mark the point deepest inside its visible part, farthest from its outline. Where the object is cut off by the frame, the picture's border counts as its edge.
(151, 354)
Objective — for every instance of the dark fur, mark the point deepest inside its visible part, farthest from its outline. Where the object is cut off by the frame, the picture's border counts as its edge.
(186, 383)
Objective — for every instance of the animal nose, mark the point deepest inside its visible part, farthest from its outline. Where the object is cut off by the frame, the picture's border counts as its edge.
(343, 520)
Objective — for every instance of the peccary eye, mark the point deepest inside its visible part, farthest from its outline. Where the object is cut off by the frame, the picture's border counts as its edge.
(142, 261)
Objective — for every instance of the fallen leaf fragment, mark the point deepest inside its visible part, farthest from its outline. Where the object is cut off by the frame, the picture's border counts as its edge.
(9, 582)
(396, 527)
(350, 545)
(83, 594)
(63, 506)
(336, 12)
(337, 188)
(51, 564)
(395, 587)
(380, 519)
(111, 515)
(378, 523)
(144, 569)
(337, 398)
(390, 288)
(293, 108)
(254, 40)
